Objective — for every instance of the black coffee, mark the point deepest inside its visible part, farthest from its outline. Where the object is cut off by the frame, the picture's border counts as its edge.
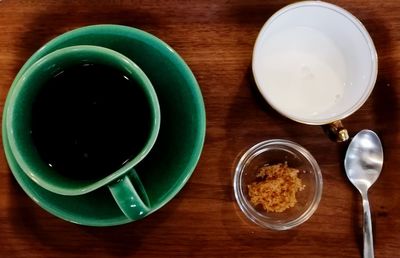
(88, 120)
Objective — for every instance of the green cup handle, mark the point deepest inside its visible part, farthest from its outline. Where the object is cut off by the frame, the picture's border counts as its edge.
(125, 193)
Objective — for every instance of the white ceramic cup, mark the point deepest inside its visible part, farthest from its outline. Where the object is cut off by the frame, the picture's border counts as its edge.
(315, 63)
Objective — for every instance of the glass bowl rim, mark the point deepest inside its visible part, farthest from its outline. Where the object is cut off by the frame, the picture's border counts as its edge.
(244, 204)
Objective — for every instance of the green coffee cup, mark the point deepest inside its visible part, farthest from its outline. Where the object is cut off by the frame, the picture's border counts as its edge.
(172, 160)
(124, 183)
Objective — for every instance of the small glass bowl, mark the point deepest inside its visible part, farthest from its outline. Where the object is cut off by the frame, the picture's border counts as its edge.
(273, 152)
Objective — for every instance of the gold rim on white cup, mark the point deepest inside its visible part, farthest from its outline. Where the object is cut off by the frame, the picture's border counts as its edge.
(315, 63)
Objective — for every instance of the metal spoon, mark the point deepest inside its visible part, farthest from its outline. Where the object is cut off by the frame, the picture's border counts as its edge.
(363, 164)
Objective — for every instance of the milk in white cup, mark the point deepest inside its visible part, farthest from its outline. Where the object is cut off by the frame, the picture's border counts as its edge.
(314, 62)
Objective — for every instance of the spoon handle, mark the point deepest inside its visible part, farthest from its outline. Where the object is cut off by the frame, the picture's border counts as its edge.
(367, 228)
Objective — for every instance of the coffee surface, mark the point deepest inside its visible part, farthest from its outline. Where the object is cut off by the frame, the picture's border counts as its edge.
(89, 120)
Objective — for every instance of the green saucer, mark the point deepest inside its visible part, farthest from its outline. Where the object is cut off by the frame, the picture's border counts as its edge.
(173, 158)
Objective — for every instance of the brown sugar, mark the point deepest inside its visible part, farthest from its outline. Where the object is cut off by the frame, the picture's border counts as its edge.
(276, 187)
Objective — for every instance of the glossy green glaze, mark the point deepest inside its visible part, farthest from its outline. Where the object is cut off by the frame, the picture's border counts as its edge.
(20, 103)
(18, 126)
(175, 154)
(131, 196)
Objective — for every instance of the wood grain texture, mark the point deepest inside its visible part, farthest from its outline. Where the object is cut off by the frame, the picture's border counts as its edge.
(216, 39)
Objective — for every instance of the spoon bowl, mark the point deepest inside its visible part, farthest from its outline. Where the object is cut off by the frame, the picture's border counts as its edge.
(363, 164)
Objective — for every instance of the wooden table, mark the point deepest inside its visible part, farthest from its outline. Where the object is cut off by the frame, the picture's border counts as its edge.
(216, 40)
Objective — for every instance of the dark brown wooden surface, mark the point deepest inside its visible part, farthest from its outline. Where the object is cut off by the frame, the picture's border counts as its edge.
(216, 40)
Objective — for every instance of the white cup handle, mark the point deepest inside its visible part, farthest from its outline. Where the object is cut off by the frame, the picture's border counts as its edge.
(336, 131)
